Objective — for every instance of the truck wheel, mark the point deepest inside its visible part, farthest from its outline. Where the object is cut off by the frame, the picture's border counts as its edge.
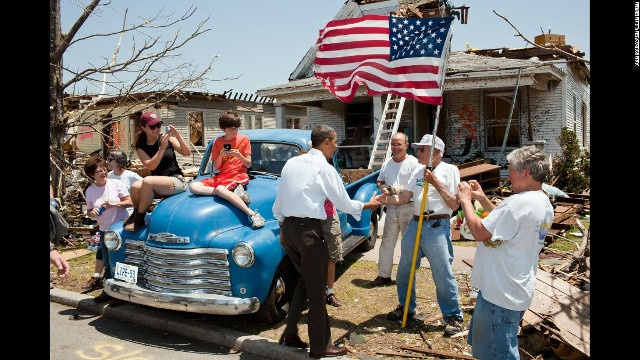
(370, 242)
(276, 305)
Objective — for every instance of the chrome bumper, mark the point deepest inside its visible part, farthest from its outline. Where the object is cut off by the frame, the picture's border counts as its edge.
(196, 303)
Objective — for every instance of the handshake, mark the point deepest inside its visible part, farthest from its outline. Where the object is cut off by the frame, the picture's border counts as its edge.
(391, 190)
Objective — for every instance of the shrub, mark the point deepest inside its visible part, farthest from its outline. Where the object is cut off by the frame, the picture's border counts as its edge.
(573, 167)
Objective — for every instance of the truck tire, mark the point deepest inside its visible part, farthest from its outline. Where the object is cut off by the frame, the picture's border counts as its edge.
(370, 242)
(273, 309)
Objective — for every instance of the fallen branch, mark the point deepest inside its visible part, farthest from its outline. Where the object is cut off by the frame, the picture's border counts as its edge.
(438, 353)
(395, 353)
(541, 47)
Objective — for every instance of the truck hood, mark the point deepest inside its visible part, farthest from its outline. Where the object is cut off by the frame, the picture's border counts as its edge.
(202, 218)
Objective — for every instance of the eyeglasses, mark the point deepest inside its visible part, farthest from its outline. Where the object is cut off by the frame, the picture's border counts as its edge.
(421, 149)
(156, 126)
(101, 170)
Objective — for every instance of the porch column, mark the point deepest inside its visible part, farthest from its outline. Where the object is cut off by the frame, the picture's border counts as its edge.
(281, 115)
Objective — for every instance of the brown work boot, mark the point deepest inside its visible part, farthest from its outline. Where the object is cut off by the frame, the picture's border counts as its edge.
(137, 223)
(93, 283)
(380, 281)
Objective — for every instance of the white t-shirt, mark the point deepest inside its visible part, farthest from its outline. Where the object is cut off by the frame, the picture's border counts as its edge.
(506, 274)
(394, 173)
(127, 177)
(112, 191)
(447, 174)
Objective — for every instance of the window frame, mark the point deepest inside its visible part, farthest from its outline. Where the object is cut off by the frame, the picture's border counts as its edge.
(489, 123)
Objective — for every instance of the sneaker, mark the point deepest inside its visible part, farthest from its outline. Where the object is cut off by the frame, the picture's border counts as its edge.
(257, 221)
(380, 281)
(239, 190)
(454, 326)
(93, 283)
(396, 314)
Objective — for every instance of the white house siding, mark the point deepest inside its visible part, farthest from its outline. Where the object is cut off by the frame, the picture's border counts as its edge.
(577, 88)
(331, 113)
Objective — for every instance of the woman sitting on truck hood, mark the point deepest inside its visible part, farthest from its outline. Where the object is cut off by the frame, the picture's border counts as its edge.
(157, 151)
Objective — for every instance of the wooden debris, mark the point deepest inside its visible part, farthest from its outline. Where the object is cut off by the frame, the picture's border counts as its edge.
(395, 353)
(438, 353)
(423, 335)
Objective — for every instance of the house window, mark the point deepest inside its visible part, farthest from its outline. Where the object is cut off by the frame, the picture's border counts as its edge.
(584, 124)
(496, 114)
(359, 122)
(196, 126)
(252, 121)
(575, 115)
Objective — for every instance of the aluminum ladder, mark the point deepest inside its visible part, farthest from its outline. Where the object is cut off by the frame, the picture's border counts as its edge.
(389, 123)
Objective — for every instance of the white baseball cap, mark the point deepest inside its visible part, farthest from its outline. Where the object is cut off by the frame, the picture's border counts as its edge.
(426, 141)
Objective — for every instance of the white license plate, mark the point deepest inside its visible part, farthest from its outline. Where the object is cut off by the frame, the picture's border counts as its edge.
(126, 272)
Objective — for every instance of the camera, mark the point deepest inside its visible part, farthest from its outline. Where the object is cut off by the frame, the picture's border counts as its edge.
(167, 129)
(227, 147)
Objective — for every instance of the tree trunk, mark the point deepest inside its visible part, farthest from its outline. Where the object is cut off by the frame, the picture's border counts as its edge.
(56, 120)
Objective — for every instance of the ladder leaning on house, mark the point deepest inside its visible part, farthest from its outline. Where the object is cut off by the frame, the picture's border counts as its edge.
(389, 123)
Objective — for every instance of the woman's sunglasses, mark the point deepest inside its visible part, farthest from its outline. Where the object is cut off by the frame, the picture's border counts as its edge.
(156, 126)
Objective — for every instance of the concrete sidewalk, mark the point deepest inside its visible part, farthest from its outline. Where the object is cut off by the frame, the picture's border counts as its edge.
(252, 344)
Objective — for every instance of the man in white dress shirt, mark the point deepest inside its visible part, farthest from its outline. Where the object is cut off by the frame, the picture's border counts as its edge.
(306, 181)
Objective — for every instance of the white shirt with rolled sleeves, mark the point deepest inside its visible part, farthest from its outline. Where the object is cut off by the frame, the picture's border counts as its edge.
(447, 174)
(306, 181)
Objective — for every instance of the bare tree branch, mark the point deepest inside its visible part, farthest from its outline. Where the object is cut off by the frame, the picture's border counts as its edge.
(538, 46)
(66, 39)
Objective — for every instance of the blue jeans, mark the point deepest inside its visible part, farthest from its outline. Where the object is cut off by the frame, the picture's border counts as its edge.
(493, 331)
(435, 244)
(105, 257)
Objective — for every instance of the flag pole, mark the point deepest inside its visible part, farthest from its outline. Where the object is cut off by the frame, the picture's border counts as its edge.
(423, 203)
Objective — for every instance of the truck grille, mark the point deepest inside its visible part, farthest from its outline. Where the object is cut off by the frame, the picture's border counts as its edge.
(187, 271)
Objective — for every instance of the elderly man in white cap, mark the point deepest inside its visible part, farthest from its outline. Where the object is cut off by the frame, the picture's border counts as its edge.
(435, 239)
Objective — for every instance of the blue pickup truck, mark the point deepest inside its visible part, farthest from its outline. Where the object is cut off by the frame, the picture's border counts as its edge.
(199, 253)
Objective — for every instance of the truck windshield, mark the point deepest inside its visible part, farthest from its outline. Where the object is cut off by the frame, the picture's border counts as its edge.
(267, 157)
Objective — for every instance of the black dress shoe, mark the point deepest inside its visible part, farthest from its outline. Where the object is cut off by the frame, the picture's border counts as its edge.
(329, 351)
(293, 341)
(333, 300)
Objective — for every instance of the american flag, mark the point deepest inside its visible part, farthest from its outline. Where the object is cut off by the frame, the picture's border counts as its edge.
(389, 55)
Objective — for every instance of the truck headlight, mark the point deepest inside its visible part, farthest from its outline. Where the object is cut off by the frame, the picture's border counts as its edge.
(112, 240)
(243, 254)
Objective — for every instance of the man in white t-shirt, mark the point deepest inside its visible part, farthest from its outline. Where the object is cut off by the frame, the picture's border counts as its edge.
(435, 235)
(393, 177)
(505, 264)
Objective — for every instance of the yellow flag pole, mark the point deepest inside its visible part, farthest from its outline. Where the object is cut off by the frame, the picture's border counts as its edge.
(426, 185)
(416, 245)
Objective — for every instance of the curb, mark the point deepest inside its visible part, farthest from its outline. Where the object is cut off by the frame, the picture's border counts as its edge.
(173, 324)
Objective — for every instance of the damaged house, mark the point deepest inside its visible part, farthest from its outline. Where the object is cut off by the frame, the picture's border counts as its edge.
(111, 124)
(552, 92)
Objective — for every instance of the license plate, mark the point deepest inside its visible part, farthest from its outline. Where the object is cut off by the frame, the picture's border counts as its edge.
(126, 272)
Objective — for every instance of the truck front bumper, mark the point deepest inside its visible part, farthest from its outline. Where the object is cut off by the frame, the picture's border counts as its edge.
(196, 303)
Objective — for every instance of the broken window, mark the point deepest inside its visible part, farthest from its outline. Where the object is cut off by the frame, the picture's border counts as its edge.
(196, 128)
(293, 123)
(496, 114)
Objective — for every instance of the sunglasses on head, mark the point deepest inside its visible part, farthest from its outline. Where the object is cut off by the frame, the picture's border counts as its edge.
(156, 126)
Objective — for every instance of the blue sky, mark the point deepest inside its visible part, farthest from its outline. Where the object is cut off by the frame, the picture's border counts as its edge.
(262, 41)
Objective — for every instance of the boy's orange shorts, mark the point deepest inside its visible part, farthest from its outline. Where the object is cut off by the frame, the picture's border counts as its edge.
(227, 180)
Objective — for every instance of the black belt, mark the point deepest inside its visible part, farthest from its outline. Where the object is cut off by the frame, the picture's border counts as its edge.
(431, 217)
(295, 218)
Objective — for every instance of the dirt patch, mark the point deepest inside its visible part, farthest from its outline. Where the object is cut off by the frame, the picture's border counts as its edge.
(361, 322)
